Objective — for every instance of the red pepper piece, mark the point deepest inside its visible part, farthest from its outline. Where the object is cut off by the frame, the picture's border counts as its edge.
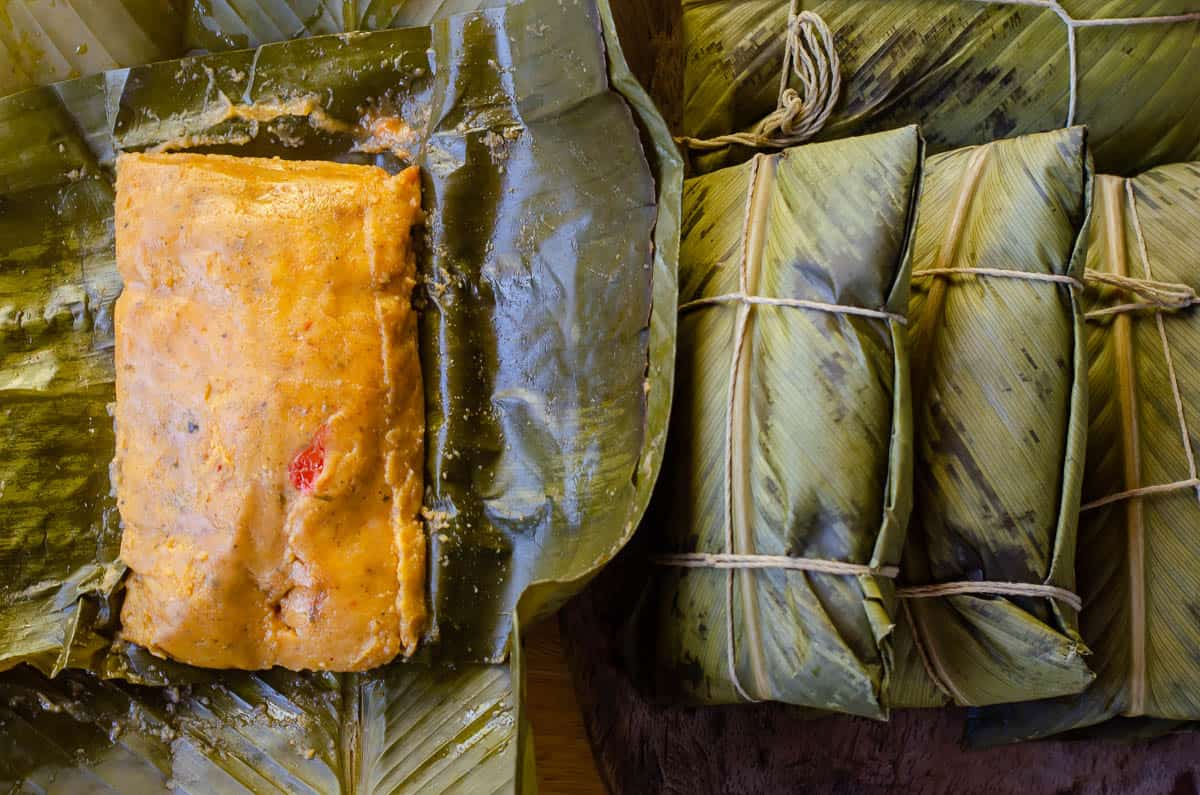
(306, 467)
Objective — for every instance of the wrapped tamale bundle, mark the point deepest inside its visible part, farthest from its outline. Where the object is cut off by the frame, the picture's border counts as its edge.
(1139, 531)
(999, 418)
(790, 444)
(968, 71)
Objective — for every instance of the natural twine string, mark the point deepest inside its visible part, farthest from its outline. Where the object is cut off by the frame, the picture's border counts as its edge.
(1192, 481)
(808, 53)
(1000, 273)
(707, 560)
(798, 303)
(1156, 296)
(1074, 24)
(971, 587)
(1161, 296)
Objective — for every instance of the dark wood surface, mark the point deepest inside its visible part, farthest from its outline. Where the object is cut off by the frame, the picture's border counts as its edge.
(564, 758)
(641, 747)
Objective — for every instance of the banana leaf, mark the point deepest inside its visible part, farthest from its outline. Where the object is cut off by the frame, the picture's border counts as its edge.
(1000, 419)
(809, 420)
(44, 41)
(968, 71)
(535, 338)
(217, 25)
(403, 729)
(1139, 558)
(547, 342)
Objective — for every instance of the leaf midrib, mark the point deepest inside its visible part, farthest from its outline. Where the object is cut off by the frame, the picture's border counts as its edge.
(924, 339)
(1131, 451)
(762, 181)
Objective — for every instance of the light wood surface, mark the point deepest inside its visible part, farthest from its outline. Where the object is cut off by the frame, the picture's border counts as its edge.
(564, 758)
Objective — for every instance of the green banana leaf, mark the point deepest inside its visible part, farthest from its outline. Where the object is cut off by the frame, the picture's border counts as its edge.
(1139, 558)
(550, 318)
(968, 71)
(43, 41)
(537, 331)
(236, 24)
(1000, 413)
(815, 427)
(403, 729)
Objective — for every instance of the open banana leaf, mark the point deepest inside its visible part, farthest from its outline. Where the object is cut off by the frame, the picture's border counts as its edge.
(968, 71)
(403, 729)
(1139, 558)
(548, 348)
(44, 41)
(535, 344)
(796, 441)
(1000, 413)
(236, 24)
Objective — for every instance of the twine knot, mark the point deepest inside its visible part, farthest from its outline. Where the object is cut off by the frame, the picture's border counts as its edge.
(813, 58)
(1154, 295)
(809, 55)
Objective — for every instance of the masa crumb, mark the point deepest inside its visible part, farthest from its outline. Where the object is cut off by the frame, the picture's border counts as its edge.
(379, 132)
(438, 520)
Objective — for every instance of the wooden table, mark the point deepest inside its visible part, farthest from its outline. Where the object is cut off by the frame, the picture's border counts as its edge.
(564, 758)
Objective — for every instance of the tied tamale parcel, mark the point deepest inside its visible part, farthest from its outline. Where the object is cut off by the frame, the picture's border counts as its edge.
(784, 509)
(1139, 531)
(1000, 401)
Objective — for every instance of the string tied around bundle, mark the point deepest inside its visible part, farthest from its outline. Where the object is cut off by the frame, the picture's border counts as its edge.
(1073, 24)
(811, 56)
(1152, 295)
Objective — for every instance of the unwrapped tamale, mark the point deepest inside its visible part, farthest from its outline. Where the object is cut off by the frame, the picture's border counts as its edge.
(269, 411)
(1139, 531)
(1000, 412)
(789, 453)
(968, 71)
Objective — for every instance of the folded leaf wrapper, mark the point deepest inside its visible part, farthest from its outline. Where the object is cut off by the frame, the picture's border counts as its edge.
(547, 349)
(1000, 416)
(1139, 557)
(791, 435)
(968, 71)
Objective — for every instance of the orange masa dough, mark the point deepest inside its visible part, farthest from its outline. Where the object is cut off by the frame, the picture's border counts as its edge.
(270, 416)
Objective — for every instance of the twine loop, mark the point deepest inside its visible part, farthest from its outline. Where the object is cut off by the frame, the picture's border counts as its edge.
(814, 61)
(811, 56)
(1152, 295)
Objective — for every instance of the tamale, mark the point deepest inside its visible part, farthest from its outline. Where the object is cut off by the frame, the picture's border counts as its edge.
(790, 445)
(1139, 531)
(968, 71)
(269, 411)
(999, 418)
